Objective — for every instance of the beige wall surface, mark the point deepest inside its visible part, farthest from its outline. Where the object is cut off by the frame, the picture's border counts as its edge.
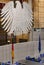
(4, 1)
(41, 13)
(9, 0)
(38, 13)
(36, 18)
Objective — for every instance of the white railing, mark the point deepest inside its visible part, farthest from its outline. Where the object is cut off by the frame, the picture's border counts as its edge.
(21, 50)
